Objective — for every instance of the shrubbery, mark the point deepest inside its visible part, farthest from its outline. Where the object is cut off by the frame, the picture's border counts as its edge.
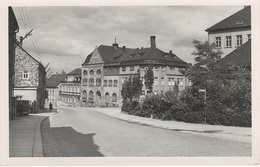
(190, 107)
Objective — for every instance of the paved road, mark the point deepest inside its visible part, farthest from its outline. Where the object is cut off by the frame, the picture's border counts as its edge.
(78, 132)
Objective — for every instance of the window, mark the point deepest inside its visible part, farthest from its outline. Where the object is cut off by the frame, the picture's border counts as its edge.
(115, 83)
(228, 41)
(91, 72)
(123, 68)
(105, 83)
(132, 68)
(162, 80)
(218, 42)
(91, 82)
(163, 68)
(248, 36)
(114, 97)
(240, 22)
(85, 72)
(98, 82)
(155, 80)
(98, 72)
(239, 40)
(26, 74)
(179, 81)
(85, 81)
(110, 83)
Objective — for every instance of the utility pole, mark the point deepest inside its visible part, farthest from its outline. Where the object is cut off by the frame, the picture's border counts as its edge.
(28, 34)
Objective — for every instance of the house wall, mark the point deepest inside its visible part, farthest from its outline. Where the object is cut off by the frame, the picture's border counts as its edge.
(233, 33)
(35, 80)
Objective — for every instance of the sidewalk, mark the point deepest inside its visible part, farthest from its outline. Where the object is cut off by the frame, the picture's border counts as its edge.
(241, 134)
(25, 135)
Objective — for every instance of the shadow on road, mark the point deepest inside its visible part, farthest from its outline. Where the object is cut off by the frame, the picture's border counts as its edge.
(66, 142)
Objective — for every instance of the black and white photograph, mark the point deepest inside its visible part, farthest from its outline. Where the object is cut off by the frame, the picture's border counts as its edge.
(129, 84)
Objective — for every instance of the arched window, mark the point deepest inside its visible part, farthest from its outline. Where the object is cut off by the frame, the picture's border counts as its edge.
(98, 72)
(91, 72)
(114, 97)
(91, 95)
(85, 72)
(107, 97)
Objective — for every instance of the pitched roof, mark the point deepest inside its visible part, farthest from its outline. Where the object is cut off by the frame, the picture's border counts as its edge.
(77, 71)
(129, 56)
(243, 16)
(240, 56)
(55, 80)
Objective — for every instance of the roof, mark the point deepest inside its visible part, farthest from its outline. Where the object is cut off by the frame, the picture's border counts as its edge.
(77, 71)
(232, 21)
(129, 56)
(240, 56)
(55, 80)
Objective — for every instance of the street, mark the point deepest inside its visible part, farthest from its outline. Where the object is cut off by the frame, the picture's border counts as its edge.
(82, 132)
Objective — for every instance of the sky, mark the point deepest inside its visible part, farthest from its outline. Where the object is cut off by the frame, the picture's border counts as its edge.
(64, 36)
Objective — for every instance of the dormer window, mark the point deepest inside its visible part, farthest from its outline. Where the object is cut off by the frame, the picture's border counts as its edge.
(240, 22)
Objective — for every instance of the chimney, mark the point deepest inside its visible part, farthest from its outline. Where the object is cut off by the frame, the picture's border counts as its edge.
(123, 48)
(153, 44)
(21, 41)
(170, 51)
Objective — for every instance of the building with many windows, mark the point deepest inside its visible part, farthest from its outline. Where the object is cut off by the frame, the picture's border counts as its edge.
(231, 32)
(53, 87)
(107, 67)
(70, 89)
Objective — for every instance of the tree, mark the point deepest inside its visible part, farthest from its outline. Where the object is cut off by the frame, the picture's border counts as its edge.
(205, 56)
(149, 79)
(132, 87)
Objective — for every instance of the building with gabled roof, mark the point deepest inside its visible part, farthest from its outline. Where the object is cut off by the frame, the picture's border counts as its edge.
(231, 32)
(29, 78)
(53, 87)
(107, 67)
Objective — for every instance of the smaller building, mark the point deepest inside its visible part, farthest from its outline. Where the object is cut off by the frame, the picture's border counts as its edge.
(29, 79)
(232, 32)
(53, 87)
(70, 89)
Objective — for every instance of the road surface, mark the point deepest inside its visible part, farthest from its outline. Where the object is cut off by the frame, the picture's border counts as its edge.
(82, 132)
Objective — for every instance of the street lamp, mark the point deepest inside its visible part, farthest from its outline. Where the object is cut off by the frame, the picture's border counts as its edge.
(205, 98)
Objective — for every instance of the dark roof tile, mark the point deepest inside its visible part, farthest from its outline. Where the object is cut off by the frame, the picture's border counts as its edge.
(243, 15)
(55, 80)
(240, 56)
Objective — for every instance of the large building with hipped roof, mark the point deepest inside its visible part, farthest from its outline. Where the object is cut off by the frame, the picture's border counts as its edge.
(232, 32)
(107, 67)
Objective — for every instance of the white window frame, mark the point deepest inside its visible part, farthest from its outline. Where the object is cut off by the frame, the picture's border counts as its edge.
(228, 41)
(26, 75)
(239, 40)
(155, 80)
(218, 42)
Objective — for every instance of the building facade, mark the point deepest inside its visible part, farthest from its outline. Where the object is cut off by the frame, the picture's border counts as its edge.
(70, 89)
(30, 78)
(231, 32)
(12, 31)
(53, 87)
(107, 67)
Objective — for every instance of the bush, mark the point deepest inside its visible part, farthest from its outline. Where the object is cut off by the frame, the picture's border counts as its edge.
(193, 117)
